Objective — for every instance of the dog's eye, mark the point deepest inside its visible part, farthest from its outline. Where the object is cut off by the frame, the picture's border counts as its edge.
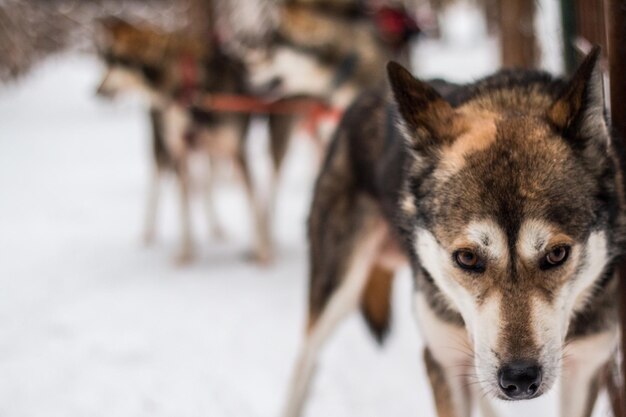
(125, 62)
(469, 260)
(555, 257)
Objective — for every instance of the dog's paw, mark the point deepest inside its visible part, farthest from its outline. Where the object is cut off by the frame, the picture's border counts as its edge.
(262, 257)
(217, 233)
(184, 257)
(148, 239)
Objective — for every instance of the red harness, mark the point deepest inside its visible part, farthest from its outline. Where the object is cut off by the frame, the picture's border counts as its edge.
(313, 110)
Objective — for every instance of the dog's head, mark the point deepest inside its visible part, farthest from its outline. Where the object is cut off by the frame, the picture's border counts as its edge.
(510, 208)
(130, 54)
(282, 69)
(314, 53)
(297, 57)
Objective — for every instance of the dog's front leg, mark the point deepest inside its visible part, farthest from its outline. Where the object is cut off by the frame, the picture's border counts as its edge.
(580, 383)
(280, 128)
(451, 393)
(186, 249)
(263, 244)
(448, 359)
(152, 207)
(162, 162)
(215, 229)
(176, 123)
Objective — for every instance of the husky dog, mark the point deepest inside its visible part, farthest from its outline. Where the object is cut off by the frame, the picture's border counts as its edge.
(317, 53)
(173, 70)
(506, 198)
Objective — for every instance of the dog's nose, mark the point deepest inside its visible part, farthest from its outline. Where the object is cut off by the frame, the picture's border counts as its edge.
(520, 380)
(274, 84)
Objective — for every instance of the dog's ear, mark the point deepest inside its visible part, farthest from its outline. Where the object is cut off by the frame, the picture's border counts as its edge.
(427, 116)
(579, 109)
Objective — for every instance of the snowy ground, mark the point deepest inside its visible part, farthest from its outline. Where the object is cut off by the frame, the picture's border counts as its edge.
(94, 324)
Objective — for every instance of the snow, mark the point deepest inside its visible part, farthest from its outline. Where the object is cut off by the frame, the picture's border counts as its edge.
(94, 324)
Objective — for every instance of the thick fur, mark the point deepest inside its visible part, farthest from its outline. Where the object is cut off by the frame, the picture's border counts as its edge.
(507, 168)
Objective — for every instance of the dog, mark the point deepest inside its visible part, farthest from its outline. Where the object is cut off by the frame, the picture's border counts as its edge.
(327, 49)
(173, 71)
(317, 52)
(505, 197)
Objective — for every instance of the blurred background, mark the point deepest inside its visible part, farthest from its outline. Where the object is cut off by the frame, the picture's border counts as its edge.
(99, 316)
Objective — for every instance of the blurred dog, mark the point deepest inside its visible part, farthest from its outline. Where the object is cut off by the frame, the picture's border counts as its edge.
(172, 71)
(319, 53)
(328, 49)
(506, 198)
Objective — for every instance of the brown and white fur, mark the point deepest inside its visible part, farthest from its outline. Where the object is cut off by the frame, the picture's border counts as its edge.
(317, 52)
(506, 198)
(147, 60)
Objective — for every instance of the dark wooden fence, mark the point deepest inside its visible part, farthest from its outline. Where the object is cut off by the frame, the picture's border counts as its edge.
(615, 12)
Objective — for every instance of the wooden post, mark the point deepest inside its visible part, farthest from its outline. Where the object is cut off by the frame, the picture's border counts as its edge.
(568, 21)
(518, 46)
(616, 19)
